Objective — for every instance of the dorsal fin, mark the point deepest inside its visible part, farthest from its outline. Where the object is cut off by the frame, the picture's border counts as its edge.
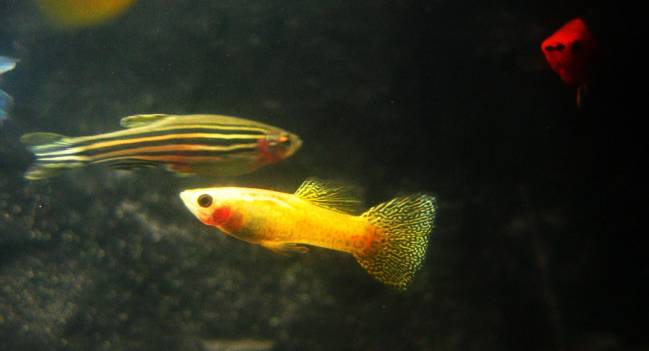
(329, 195)
(40, 138)
(141, 120)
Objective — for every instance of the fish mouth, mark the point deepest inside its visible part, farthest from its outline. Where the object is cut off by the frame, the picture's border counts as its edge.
(189, 199)
(185, 196)
(296, 144)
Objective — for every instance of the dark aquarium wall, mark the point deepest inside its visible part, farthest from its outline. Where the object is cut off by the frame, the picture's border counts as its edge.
(538, 240)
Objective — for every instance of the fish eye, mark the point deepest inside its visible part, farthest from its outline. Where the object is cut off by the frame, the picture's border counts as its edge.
(204, 200)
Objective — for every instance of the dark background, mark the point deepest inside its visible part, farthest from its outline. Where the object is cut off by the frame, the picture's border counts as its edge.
(538, 240)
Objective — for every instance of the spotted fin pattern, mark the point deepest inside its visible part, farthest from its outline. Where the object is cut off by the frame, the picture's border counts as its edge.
(406, 223)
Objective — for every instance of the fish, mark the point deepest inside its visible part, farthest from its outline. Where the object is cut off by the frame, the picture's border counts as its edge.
(201, 144)
(571, 53)
(6, 101)
(82, 13)
(389, 240)
(7, 64)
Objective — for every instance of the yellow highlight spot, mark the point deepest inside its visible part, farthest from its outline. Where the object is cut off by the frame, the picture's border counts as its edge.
(82, 13)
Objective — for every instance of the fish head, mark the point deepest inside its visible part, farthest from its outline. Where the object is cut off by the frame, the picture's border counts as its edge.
(570, 52)
(216, 207)
(277, 145)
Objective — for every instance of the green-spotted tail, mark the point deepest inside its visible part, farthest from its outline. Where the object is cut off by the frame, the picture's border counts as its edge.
(43, 145)
(405, 222)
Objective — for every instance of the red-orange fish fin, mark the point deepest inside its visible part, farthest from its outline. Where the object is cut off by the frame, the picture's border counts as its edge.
(331, 195)
(284, 248)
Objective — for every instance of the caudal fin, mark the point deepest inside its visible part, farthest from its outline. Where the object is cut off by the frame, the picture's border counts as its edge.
(52, 155)
(405, 224)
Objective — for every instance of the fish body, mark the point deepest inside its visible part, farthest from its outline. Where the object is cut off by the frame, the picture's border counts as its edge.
(82, 13)
(212, 145)
(389, 240)
(570, 52)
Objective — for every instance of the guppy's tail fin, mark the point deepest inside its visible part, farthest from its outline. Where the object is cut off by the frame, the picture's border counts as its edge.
(52, 153)
(405, 223)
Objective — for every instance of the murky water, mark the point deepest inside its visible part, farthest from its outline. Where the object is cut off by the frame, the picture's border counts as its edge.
(535, 243)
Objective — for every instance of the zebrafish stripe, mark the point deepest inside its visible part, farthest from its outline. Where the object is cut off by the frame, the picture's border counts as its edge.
(170, 159)
(144, 130)
(134, 152)
(118, 142)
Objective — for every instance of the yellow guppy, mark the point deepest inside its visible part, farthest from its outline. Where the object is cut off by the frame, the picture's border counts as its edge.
(388, 240)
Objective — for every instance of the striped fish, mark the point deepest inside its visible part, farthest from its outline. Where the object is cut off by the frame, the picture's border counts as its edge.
(212, 145)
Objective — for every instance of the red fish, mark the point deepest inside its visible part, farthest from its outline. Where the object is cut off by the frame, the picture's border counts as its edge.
(570, 51)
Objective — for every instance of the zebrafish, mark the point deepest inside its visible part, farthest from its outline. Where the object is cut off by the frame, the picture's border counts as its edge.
(211, 145)
(389, 240)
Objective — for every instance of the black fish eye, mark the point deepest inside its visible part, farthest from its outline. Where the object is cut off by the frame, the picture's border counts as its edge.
(204, 200)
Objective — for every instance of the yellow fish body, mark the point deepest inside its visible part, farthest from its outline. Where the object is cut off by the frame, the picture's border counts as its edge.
(389, 240)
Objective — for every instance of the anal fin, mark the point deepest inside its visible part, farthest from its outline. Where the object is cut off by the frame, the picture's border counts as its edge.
(127, 165)
(225, 169)
(284, 248)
